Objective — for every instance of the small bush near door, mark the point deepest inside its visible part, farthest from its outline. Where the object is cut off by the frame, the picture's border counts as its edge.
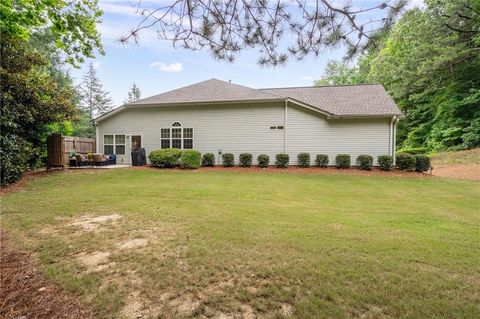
(263, 160)
(406, 162)
(322, 160)
(228, 160)
(303, 159)
(281, 160)
(168, 157)
(385, 162)
(190, 159)
(342, 161)
(208, 160)
(364, 162)
(245, 159)
(422, 163)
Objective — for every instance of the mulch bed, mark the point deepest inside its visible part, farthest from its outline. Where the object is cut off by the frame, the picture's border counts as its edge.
(26, 294)
(300, 170)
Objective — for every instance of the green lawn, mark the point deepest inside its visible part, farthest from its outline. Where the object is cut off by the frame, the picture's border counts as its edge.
(232, 244)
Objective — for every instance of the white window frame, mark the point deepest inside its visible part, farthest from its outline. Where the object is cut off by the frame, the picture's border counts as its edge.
(115, 143)
(181, 138)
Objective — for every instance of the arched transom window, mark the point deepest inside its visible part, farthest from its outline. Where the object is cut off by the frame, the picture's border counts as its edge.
(176, 136)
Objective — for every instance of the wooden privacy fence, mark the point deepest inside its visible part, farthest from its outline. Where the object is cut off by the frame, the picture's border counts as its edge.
(59, 148)
(79, 145)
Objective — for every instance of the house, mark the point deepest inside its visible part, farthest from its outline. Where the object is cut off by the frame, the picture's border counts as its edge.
(219, 117)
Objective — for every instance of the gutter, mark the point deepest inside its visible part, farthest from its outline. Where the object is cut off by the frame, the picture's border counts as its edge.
(285, 126)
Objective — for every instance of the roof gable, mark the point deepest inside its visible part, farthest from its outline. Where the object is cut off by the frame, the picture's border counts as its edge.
(364, 100)
(212, 90)
(344, 100)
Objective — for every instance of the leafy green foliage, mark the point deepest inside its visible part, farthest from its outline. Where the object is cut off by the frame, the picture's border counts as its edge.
(321, 160)
(342, 161)
(165, 158)
(385, 162)
(71, 23)
(228, 159)
(190, 159)
(263, 160)
(428, 61)
(405, 162)
(208, 160)
(281, 160)
(422, 163)
(303, 159)
(14, 157)
(340, 73)
(364, 162)
(31, 101)
(245, 159)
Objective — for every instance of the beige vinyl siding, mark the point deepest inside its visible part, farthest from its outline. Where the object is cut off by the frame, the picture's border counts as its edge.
(234, 129)
(311, 132)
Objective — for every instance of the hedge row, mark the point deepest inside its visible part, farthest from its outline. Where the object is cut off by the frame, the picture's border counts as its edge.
(172, 157)
(191, 159)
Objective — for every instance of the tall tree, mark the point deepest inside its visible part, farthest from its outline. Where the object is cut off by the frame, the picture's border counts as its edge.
(134, 94)
(94, 100)
(36, 94)
(340, 73)
(31, 100)
(72, 23)
(430, 62)
(226, 27)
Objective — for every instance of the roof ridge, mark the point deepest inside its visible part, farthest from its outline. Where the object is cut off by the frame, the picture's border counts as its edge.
(318, 86)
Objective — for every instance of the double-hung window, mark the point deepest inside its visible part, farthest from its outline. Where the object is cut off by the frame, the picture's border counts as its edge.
(114, 144)
(176, 136)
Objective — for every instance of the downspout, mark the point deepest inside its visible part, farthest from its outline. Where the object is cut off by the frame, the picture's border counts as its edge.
(285, 122)
(394, 138)
(96, 138)
(390, 137)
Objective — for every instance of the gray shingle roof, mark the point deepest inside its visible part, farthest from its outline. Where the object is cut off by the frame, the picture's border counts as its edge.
(212, 90)
(346, 100)
(343, 100)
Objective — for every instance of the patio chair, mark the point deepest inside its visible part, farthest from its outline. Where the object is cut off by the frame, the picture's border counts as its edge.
(82, 160)
(100, 159)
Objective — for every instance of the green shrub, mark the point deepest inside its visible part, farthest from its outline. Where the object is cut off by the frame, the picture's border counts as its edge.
(321, 160)
(208, 160)
(422, 163)
(168, 157)
(303, 159)
(228, 159)
(14, 155)
(342, 161)
(405, 162)
(365, 162)
(413, 150)
(263, 160)
(385, 162)
(281, 160)
(190, 159)
(245, 159)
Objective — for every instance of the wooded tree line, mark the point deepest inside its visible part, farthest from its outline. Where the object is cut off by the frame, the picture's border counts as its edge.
(39, 40)
(429, 61)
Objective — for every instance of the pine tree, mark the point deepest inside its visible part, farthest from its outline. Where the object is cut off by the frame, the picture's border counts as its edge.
(134, 94)
(94, 100)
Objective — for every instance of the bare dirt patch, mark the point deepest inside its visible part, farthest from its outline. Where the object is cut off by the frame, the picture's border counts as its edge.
(94, 259)
(26, 293)
(133, 243)
(461, 171)
(287, 309)
(92, 223)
